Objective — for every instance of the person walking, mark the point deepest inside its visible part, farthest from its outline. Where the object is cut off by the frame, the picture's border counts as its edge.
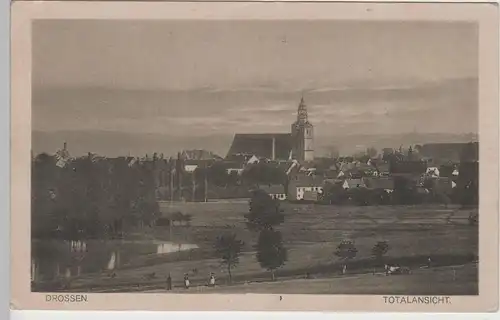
(169, 282)
(186, 281)
(211, 281)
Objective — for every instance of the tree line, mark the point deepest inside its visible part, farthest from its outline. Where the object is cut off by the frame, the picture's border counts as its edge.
(405, 192)
(89, 198)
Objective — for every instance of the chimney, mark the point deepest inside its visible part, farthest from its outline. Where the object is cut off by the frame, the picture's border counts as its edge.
(274, 149)
(65, 145)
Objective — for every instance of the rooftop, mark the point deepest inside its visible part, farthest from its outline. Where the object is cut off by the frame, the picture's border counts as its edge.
(261, 145)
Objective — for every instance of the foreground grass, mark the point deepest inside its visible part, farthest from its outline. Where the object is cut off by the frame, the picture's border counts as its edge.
(311, 234)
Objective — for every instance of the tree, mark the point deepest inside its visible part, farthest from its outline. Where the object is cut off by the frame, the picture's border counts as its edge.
(346, 251)
(271, 254)
(379, 250)
(361, 196)
(264, 212)
(469, 152)
(410, 153)
(403, 191)
(217, 174)
(387, 154)
(228, 248)
(264, 173)
(361, 156)
(90, 198)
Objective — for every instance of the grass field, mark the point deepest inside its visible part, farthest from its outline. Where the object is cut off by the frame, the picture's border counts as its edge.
(311, 233)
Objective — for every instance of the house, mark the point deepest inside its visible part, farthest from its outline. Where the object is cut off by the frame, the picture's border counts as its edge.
(382, 183)
(432, 172)
(344, 169)
(275, 191)
(365, 168)
(408, 168)
(311, 195)
(443, 185)
(331, 174)
(353, 183)
(238, 171)
(240, 158)
(447, 170)
(301, 187)
(356, 174)
(254, 159)
(190, 167)
(382, 169)
(354, 170)
(233, 166)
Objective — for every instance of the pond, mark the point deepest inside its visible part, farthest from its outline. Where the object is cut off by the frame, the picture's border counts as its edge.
(53, 259)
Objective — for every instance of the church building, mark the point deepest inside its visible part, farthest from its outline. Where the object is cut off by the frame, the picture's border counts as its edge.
(298, 144)
(302, 135)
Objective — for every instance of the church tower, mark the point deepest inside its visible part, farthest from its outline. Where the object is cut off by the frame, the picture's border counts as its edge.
(303, 135)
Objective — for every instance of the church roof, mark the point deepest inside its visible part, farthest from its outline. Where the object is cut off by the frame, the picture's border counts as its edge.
(261, 145)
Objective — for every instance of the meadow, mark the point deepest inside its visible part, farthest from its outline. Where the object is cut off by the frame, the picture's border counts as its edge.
(311, 234)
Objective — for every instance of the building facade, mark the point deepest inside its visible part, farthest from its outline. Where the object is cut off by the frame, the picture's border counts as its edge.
(298, 144)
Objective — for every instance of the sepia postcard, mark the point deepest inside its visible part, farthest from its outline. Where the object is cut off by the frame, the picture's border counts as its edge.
(248, 156)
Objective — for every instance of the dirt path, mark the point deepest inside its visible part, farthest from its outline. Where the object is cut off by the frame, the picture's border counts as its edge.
(450, 280)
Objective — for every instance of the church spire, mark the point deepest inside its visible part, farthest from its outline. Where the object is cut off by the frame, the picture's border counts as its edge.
(302, 112)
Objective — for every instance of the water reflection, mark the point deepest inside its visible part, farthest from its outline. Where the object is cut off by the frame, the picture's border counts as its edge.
(53, 259)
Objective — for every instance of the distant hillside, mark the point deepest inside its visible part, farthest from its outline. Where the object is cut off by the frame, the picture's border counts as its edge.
(113, 144)
(348, 144)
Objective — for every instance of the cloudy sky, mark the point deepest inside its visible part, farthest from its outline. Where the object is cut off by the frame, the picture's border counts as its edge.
(197, 80)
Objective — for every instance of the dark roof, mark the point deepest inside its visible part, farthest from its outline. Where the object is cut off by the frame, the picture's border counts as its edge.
(382, 167)
(333, 181)
(199, 162)
(228, 164)
(379, 183)
(443, 184)
(446, 170)
(239, 158)
(450, 152)
(331, 174)
(355, 183)
(283, 166)
(273, 189)
(260, 145)
(408, 167)
(305, 181)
